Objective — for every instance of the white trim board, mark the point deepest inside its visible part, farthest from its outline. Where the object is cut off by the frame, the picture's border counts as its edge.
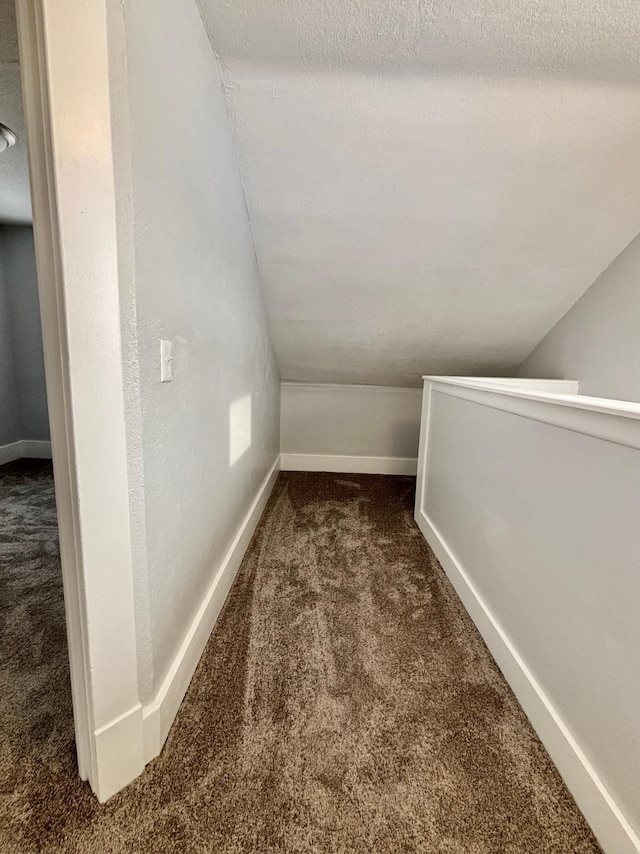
(159, 714)
(74, 204)
(517, 383)
(349, 464)
(612, 830)
(348, 388)
(118, 747)
(25, 448)
(613, 420)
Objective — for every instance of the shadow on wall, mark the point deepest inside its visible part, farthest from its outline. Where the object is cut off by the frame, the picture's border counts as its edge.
(405, 434)
(23, 396)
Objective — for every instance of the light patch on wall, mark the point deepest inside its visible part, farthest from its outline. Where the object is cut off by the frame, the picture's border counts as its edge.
(239, 428)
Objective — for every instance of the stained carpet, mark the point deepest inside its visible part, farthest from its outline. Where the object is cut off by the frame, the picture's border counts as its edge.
(345, 702)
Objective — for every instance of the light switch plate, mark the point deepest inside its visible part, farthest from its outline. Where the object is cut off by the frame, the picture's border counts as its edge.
(166, 361)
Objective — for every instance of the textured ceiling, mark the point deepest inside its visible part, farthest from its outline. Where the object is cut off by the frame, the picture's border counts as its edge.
(431, 185)
(15, 202)
(594, 39)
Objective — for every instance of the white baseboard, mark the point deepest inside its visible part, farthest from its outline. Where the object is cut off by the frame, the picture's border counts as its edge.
(349, 464)
(31, 448)
(158, 715)
(36, 449)
(612, 830)
(11, 452)
(119, 755)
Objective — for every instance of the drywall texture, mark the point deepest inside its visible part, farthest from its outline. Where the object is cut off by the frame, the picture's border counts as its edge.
(562, 585)
(23, 394)
(9, 402)
(350, 420)
(431, 185)
(15, 200)
(511, 37)
(597, 341)
(19, 261)
(209, 436)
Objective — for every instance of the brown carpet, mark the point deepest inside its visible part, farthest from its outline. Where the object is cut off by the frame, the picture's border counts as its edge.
(345, 702)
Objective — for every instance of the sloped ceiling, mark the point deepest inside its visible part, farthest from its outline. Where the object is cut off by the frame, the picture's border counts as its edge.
(15, 201)
(431, 185)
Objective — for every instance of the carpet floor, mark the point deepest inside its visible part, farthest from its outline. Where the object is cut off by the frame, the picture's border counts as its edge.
(345, 701)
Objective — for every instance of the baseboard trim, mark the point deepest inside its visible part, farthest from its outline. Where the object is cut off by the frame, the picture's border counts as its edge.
(119, 755)
(10, 452)
(30, 448)
(36, 449)
(159, 714)
(609, 825)
(349, 464)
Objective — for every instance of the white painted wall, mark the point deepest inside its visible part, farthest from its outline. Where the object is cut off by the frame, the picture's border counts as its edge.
(350, 421)
(208, 438)
(536, 523)
(21, 282)
(374, 429)
(598, 340)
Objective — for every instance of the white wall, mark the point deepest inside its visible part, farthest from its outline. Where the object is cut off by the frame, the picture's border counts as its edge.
(23, 395)
(536, 524)
(597, 341)
(209, 437)
(349, 421)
